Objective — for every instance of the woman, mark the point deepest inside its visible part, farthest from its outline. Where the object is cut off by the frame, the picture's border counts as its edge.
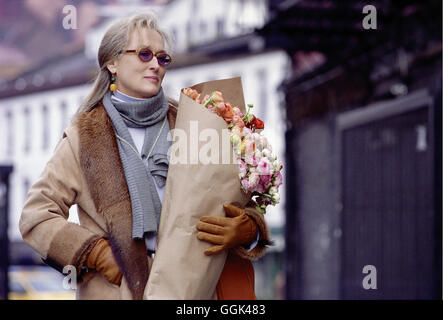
(104, 164)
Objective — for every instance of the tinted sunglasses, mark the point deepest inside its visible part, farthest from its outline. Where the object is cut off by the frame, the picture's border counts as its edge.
(146, 55)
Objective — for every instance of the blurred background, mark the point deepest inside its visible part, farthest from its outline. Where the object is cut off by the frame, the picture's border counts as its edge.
(351, 97)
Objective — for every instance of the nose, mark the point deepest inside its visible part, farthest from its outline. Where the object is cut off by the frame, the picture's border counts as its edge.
(153, 64)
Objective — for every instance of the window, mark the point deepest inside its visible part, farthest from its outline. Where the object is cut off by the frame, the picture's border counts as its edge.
(189, 35)
(45, 127)
(203, 29)
(220, 27)
(9, 131)
(64, 114)
(195, 6)
(28, 133)
(263, 93)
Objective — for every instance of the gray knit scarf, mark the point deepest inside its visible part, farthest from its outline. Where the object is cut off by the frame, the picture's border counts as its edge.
(141, 170)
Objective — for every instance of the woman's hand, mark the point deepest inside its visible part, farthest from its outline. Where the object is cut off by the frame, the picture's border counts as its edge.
(227, 232)
(102, 260)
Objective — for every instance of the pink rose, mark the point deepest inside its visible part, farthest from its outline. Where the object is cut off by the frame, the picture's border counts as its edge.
(205, 98)
(221, 107)
(260, 188)
(278, 179)
(227, 113)
(237, 112)
(238, 121)
(251, 160)
(265, 179)
(264, 167)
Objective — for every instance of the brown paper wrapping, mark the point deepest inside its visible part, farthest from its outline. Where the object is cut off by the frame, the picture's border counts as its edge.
(181, 270)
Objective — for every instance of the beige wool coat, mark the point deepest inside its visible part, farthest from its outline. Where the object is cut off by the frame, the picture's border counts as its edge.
(86, 170)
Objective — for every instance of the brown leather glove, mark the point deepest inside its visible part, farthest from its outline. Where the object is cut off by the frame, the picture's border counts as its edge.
(227, 232)
(101, 259)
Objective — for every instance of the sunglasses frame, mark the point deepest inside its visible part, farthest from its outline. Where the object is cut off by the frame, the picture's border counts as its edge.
(137, 51)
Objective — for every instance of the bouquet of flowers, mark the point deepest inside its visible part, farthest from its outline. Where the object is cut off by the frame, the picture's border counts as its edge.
(259, 168)
(213, 145)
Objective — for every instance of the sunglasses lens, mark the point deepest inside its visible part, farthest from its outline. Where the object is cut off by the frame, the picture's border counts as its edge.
(164, 59)
(145, 55)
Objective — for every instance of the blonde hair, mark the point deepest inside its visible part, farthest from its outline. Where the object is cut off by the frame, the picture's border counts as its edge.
(115, 39)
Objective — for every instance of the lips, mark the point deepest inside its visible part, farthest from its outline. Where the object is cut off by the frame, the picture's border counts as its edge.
(153, 78)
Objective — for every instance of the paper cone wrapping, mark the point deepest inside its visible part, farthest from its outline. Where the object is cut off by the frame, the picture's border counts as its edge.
(194, 189)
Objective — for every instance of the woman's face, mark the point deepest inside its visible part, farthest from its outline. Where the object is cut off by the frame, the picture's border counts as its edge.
(137, 78)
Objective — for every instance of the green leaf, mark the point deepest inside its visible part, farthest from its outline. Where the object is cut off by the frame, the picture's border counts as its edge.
(259, 209)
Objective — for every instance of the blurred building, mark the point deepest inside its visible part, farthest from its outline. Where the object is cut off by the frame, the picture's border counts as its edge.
(363, 147)
(212, 40)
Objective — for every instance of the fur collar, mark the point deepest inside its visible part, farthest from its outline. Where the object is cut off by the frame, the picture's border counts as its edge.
(103, 170)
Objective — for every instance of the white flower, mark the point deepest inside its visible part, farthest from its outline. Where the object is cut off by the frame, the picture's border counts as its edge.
(272, 156)
(264, 142)
(266, 153)
(253, 180)
(273, 191)
(257, 139)
(276, 165)
(276, 198)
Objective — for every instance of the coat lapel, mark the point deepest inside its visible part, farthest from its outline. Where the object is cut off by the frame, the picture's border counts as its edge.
(104, 173)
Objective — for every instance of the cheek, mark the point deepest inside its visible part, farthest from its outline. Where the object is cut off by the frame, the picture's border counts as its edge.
(137, 70)
(131, 78)
(132, 70)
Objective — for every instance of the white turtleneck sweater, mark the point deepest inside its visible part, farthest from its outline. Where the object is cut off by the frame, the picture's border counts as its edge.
(138, 136)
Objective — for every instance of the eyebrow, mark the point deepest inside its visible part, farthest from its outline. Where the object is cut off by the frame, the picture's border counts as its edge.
(149, 47)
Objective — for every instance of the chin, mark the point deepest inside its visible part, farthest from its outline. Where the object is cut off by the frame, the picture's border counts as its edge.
(148, 92)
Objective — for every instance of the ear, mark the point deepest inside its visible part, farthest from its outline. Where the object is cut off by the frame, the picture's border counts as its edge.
(112, 66)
